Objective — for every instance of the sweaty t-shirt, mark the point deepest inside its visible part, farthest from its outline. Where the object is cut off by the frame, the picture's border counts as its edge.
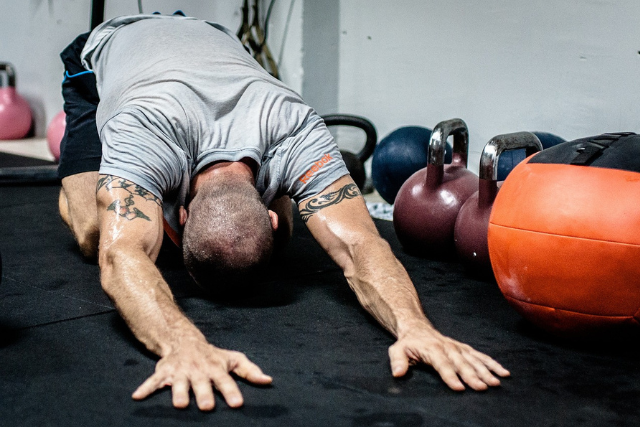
(177, 94)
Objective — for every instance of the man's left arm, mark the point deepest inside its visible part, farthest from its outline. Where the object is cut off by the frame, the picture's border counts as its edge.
(339, 221)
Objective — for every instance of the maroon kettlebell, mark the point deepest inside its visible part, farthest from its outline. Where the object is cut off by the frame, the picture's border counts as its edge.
(15, 113)
(427, 204)
(472, 224)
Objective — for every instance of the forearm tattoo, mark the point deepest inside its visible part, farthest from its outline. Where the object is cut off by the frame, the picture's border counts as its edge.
(126, 207)
(349, 191)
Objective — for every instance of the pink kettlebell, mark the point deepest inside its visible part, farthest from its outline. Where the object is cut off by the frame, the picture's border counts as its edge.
(15, 113)
(55, 132)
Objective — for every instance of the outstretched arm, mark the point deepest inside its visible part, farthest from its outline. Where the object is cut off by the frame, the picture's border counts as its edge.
(130, 220)
(340, 222)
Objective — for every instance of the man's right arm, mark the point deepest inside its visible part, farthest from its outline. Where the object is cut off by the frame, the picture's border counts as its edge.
(130, 221)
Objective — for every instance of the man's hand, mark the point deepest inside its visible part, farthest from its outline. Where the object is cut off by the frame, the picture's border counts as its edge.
(453, 360)
(198, 365)
(339, 220)
(130, 238)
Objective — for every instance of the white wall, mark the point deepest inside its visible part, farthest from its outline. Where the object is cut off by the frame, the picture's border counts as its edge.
(570, 67)
(321, 37)
(285, 40)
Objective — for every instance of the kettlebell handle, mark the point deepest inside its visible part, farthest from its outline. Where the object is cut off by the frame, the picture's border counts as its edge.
(10, 72)
(498, 144)
(358, 122)
(437, 143)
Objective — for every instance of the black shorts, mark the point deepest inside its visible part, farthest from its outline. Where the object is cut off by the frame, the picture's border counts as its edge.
(80, 148)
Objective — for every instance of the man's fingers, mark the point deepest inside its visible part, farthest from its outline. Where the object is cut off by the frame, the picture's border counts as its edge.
(465, 370)
(244, 368)
(481, 370)
(456, 363)
(399, 361)
(491, 364)
(180, 390)
(203, 391)
(446, 370)
(153, 383)
(229, 389)
(202, 368)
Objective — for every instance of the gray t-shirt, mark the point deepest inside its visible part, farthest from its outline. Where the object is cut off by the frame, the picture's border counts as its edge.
(177, 94)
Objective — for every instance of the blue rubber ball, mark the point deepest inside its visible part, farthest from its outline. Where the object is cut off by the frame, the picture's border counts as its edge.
(510, 159)
(398, 156)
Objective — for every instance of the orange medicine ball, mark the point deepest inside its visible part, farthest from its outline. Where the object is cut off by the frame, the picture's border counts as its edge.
(564, 235)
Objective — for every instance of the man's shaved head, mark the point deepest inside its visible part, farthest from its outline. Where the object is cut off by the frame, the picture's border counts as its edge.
(228, 236)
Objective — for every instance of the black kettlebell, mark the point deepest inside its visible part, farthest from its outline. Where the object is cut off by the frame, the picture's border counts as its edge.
(355, 161)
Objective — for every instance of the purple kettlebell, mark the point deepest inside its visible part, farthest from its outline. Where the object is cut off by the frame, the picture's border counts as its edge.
(472, 224)
(427, 204)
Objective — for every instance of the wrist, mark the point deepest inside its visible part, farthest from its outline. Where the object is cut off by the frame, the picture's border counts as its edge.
(181, 338)
(412, 326)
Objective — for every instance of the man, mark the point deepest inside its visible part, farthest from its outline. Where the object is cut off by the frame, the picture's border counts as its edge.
(193, 130)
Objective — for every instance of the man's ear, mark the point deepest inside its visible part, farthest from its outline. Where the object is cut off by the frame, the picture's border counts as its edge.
(183, 216)
(274, 219)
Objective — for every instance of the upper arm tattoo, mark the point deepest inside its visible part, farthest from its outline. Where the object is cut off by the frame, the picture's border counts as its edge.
(126, 207)
(349, 191)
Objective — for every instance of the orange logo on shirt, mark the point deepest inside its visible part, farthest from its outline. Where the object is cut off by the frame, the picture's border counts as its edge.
(315, 168)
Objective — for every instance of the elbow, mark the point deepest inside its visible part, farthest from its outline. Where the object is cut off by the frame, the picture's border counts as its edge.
(109, 257)
(363, 254)
(88, 243)
(121, 264)
(106, 256)
(368, 244)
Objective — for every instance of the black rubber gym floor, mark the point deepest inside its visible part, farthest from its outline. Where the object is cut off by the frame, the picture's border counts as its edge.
(67, 359)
